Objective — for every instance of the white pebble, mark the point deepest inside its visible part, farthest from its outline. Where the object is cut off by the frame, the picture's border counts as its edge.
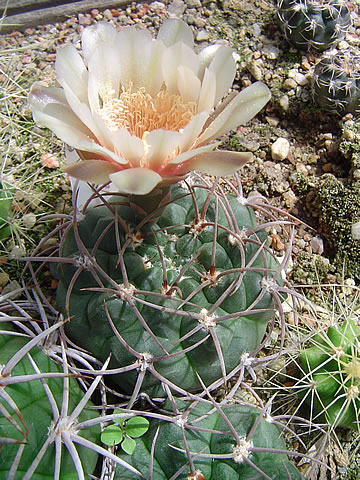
(280, 149)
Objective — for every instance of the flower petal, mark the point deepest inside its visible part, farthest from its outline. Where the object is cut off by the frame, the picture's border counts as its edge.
(174, 30)
(184, 157)
(207, 92)
(136, 181)
(71, 70)
(224, 67)
(104, 74)
(163, 143)
(93, 171)
(221, 162)
(178, 55)
(241, 109)
(99, 34)
(128, 146)
(192, 130)
(188, 84)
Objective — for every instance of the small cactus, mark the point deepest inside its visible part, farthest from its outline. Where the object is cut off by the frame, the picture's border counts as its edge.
(313, 24)
(185, 293)
(336, 83)
(6, 200)
(330, 382)
(202, 440)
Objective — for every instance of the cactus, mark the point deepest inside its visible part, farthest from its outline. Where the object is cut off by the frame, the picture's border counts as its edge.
(313, 24)
(29, 405)
(336, 83)
(204, 441)
(187, 289)
(6, 199)
(331, 376)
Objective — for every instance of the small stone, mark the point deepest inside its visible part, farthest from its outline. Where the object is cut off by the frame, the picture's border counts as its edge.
(115, 12)
(84, 20)
(276, 242)
(300, 79)
(12, 287)
(317, 245)
(327, 167)
(16, 253)
(4, 279)
(305, 65)
(271, 52)
(348, 135)
(301, 243)
(273, 121)
(107, 14)
(193, 3)
(256, 29)
(343, 45)
(202, 36)
(284, 103)
(254, 69)
(176, 8)
(280, 149)
(289, 84)
(49, 160)
(28, 220)
(290, 199)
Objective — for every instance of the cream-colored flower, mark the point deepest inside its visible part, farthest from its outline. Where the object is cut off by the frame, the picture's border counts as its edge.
(142, 112)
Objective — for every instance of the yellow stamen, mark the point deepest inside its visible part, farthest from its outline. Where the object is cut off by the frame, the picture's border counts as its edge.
(140, 113)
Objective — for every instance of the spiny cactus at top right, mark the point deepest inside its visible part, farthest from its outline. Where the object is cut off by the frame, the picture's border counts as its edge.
(336, 83)
(313, 24)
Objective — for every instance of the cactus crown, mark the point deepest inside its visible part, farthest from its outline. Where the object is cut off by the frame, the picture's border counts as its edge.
(313, 24)
(336, 83)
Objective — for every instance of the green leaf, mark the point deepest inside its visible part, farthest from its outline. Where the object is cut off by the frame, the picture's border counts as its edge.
(136, 426)
(112, 435)
(120, 421)
(128, 445)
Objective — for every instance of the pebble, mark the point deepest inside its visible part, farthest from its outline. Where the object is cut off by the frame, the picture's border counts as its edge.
(290, 199)
(4, 278)
(317, 245)
(28, 220)
(193, 3)
(202, 36)
(176, 8)
(289, 84)
(255, 70)
(49, 160)
(280, 149)
(284, 103)
(271, 52)
(13, 286)
(300, 79)
(256, 29)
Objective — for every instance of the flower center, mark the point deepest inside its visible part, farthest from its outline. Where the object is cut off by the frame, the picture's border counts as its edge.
(139, 112)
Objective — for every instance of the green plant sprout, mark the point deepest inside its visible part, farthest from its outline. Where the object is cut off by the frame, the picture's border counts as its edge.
(124, 431)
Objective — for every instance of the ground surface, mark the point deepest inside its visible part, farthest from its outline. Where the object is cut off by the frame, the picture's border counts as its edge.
(317, 179)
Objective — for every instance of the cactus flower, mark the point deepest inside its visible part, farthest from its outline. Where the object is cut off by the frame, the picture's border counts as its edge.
(142, 112)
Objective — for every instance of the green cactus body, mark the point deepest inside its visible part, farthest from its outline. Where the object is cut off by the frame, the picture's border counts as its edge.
(332, 369)
(316, 24)
(212, 437)
(336, 83)
(36, 412)
(166, 286)
(6, 199)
